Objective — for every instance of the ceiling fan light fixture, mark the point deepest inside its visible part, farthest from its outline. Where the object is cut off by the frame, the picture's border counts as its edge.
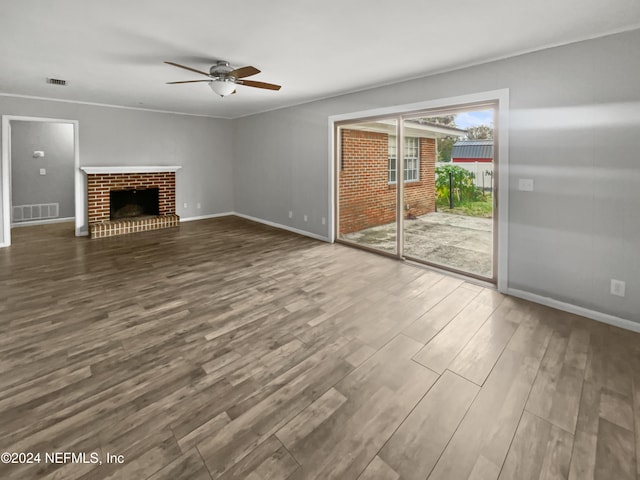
(222, 87)
(223, 79)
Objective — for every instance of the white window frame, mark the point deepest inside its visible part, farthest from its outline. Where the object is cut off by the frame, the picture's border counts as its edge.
(411, 160)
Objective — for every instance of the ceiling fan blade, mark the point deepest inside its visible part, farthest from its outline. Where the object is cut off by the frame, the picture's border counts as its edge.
(244, 72)
(188, 81)
(252, 83)
(187, 68)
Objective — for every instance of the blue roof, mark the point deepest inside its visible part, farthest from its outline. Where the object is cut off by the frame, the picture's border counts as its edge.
(472, 149)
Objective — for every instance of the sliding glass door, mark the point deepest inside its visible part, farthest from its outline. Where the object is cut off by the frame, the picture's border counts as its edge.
(420, 186)
(448, 201)
(367, 196)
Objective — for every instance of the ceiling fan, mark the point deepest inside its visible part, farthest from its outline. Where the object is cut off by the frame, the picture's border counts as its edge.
(223, 78)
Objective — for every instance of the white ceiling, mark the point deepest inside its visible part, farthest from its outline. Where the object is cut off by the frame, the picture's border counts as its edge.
(112, 51)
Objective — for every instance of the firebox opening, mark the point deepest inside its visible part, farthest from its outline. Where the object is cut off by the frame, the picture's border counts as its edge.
(133, 203)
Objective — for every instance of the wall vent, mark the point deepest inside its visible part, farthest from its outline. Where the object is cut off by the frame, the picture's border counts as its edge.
(26, 213)
(56, 81)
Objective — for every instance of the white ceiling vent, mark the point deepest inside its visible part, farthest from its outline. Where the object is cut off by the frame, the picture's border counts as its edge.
(56, 81)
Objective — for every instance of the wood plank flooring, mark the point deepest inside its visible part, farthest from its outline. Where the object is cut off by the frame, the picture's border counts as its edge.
(224, 349)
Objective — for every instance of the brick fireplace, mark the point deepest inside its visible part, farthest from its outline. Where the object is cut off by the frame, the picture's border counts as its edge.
(102, 181)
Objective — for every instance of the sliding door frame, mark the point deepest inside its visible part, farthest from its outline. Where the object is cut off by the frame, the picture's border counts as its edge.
(335, 166)
(496, 99)
(493, 105)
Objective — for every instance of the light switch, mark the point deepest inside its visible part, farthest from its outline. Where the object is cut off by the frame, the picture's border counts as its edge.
(43, 171)
(617, 287)
(525, 184)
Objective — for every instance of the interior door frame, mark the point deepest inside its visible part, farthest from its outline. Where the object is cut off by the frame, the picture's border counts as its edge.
(501, 100)
(5, 174)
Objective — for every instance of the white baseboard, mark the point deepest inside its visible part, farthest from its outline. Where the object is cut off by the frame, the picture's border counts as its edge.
(584, 312)
(254, 219)
(283, 227)
(204, 217)
(259, 220)
(42, 222)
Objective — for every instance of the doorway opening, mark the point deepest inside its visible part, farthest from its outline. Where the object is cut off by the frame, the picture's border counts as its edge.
(422, 186)
(40, 174)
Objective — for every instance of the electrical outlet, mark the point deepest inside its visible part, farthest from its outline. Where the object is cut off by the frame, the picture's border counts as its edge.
(185, 205)
(290, 214)
(305, 218)
(324, 221)
(198, 206)
(618, 287)
(43, 171)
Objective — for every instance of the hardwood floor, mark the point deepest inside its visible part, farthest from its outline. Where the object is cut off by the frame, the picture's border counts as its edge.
(226, 349)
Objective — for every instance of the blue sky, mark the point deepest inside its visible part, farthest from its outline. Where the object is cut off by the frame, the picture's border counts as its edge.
(473, 119)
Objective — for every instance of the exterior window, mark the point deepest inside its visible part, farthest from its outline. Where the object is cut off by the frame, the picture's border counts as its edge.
(411, 159)
(392, 159)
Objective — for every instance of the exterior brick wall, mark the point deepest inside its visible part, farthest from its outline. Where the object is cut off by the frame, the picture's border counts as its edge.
(366, 197)
(98, 188)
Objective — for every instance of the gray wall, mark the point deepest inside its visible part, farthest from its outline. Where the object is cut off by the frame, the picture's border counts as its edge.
(117, 136)
(28, 187)
(574, 129)
(281, 165)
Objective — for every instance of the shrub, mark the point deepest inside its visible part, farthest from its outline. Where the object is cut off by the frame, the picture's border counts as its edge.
(462, 181)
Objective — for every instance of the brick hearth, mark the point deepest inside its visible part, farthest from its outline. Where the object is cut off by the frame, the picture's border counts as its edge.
(100, 184)
(121, 227)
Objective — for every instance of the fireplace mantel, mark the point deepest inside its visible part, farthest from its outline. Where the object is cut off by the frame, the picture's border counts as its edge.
(129, 169)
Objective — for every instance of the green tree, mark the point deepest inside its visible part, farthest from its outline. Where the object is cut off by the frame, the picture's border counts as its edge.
(445, 145)
(480, 132)
(448, 120)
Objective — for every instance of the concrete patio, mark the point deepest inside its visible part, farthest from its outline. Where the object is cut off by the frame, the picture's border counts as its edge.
(455, 241)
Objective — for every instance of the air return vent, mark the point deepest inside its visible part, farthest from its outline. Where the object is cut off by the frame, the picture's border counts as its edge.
(56, 81)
